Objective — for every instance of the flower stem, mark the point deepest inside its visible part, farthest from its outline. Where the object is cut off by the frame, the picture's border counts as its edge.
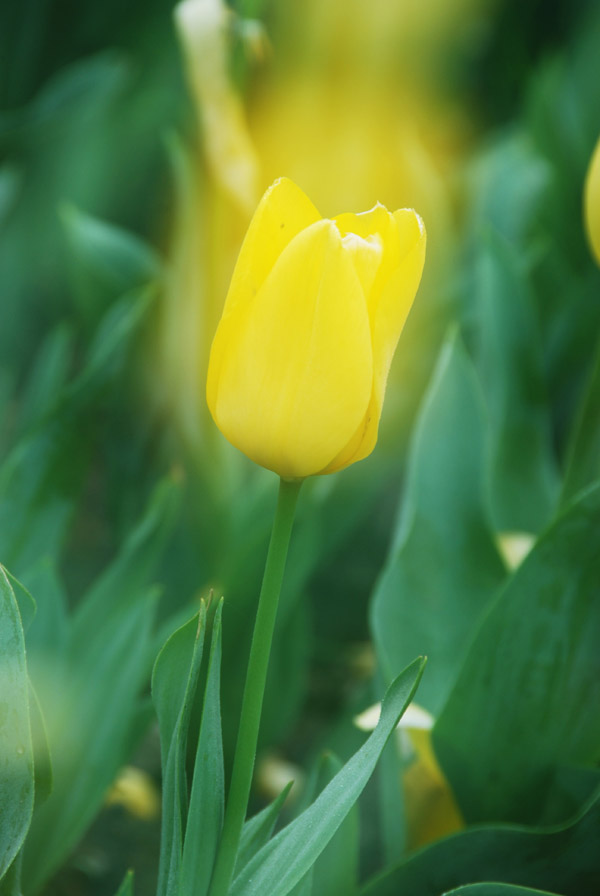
(245, 751)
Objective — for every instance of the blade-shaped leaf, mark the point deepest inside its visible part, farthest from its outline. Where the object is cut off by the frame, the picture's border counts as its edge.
(90, 729)
(174, 681)
(257, 830)
(16, 750)
(284, 861)
(122, 581)
(126, 888)
(205, 814)
(25, 602)
(105, 260)
(41, 476)
(336, 870)
(41, 749)
(431, 592)
(48, 376)
(522, 704)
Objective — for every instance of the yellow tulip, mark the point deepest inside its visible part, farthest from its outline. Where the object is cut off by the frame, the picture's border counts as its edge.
(300, 359)
(592, 202)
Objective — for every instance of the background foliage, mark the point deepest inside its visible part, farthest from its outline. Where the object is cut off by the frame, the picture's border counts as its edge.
(130, 162)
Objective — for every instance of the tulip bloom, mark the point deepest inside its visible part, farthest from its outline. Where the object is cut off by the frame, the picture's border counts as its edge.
(300, 359)
(592, 203)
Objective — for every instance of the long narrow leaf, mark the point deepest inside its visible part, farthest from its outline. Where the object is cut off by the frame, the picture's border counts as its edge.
(205, 815)
(16, 751)
(258, 829)
(279, 865)
(174, 683)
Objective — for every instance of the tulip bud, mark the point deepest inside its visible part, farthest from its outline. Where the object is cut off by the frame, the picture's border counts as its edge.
(300, 359)
(592, 202)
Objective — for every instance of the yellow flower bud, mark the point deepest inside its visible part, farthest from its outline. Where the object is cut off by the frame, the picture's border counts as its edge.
(592, 202)
(300, 359)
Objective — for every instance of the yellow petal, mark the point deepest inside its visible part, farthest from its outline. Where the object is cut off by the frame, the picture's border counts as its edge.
(282, 213)
(295, 365)
(592, 203)
(364, 224)
(390, 300)
(203, 28)
(366, 255)
(431, 809)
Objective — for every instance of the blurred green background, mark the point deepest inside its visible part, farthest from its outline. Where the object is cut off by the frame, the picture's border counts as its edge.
(132, 153)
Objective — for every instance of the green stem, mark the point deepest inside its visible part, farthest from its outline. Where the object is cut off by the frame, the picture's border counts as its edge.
(245, 751)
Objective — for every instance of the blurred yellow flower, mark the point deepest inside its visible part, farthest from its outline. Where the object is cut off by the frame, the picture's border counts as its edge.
(136, 791)
(431, 809)
(300, 359)
(592, 202)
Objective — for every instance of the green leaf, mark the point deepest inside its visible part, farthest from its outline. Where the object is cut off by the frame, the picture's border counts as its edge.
(90, 722)
(257, 830)
(431, 592)
(563, 859)
(42, 761)
(508, 183)
(174, 681)
(113, 337)
(16, 750)
(25, 602)
(205, 815)
(41, 477)
(49, 630)
(523, 473)
(126, 577)
(105, 260)
(126, 888)
(284, 861)
(48, 376)
(336, 870)
(521, 704)
(583, 458)
(493, 889)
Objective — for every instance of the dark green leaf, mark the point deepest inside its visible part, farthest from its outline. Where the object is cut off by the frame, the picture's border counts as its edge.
(583, 460)
(48, 377)
(42, 761)
(49, 630)
(126, 888)
(523, 473)
(521, 704)
(432, 592)
(125, 578)
(105, 261)
(563, 859)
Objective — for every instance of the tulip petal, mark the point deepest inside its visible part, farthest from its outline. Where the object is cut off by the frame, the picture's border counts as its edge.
(282, 213)
(389, 305)
(592, 202)
(296, 366)
(366, 256)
